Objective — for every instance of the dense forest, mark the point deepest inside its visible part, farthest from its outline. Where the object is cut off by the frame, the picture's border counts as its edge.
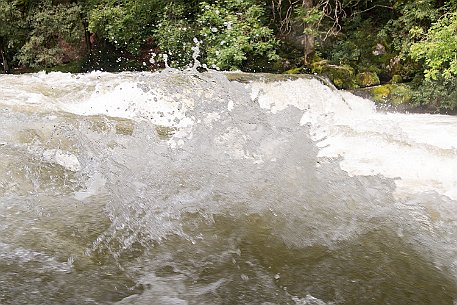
(355, 43)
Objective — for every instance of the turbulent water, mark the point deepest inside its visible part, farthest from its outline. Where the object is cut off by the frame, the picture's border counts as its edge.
(188, 188)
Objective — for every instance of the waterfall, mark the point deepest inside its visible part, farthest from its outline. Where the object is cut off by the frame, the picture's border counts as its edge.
(179, 187)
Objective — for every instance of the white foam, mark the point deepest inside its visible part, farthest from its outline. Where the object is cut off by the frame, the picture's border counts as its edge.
(127, 100)
(418, 150)
(61, 157)
(123, 95)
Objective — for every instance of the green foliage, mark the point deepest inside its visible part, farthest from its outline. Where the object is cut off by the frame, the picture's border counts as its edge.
(233, 34)
(126, 24)
(53, 29)
(11, 23)
(358, 48)
(439, 48)
(12, 29)
(438, 94)
(408, 21)
(345, 52)
(174, 34)
(414, 18)
(311, 17)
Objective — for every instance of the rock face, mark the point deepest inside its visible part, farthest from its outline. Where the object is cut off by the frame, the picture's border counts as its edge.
(367, 79)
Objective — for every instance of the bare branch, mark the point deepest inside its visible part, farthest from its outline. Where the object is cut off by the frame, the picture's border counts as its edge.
(332, 10)
(373, 7)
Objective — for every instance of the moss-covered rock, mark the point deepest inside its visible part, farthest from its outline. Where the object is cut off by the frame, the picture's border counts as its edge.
(318, 66)
(396, 79)
(401, 94)
(294, 71)
(243, 77)
(71, 67)
(394, 94)
(367, 79)
(380, 94)
(341, 76)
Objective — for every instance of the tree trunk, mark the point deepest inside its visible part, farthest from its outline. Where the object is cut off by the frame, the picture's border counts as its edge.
(85, 24)
(308, 39)
(6, 68)
(87, 38)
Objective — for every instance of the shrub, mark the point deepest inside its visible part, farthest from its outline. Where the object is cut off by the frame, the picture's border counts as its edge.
(233, 35)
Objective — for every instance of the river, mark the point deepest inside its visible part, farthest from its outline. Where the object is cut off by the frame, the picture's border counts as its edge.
(179, 187)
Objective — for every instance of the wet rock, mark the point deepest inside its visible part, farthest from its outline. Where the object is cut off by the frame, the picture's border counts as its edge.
(367, 79)
(390, 96)
(294, 71)
(394, 94)
(341, 76)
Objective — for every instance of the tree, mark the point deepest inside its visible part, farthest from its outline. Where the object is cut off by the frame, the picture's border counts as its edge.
(305, 18)
(126, 23)
(438, 48)
(233, 34)
(410, 19)
(175, 32)
(12, 31)
(55, 30)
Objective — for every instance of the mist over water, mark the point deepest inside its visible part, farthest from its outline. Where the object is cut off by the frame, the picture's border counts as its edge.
(187, 188)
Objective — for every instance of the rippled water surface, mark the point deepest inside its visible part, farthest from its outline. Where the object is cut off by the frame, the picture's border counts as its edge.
(187, 188)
